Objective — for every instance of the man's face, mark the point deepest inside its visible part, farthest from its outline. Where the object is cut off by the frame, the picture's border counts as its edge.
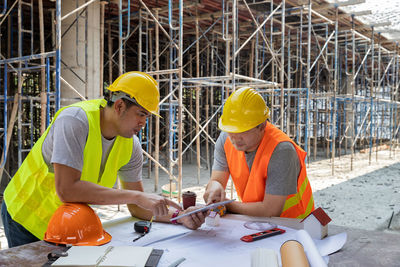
(132, 120)
(247, 141)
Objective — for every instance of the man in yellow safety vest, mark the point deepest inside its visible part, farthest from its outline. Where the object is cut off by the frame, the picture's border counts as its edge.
(79, 157)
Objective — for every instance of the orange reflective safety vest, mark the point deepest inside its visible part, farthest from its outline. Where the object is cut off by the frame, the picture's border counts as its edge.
(250, 185)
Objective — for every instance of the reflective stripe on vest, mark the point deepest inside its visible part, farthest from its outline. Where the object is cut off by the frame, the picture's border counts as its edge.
(250, 185)
(31, 197)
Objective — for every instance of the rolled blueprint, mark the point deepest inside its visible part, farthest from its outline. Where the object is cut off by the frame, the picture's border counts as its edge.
(293, 255)
(264, 257)
(314, 257)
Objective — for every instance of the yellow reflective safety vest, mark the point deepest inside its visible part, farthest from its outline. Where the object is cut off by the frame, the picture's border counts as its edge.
(31, 197)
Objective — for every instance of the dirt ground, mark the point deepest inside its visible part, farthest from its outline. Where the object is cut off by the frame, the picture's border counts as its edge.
(366, 197)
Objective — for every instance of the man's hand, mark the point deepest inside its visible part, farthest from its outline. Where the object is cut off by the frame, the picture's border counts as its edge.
(193, 221)
(215, 192)
(158, 205)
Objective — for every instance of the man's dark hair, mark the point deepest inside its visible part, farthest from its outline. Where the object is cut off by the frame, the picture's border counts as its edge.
(127, 102)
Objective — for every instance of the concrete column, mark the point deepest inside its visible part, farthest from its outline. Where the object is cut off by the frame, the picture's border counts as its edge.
(81, 68)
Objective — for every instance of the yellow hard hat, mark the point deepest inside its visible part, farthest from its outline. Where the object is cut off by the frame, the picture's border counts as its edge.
(139, 86)
(243, 110)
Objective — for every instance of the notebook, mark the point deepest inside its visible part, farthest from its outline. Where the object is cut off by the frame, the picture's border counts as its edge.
(106, 256)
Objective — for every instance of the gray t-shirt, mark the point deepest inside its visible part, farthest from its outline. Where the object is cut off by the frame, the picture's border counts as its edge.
(283, 167)
(66, 141)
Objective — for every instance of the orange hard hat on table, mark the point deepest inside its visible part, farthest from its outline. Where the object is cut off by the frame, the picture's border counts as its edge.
(243, 110)
(139, 86)
(76, 224)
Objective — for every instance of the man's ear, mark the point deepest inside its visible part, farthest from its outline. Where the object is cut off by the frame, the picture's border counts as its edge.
(262, 125)
(119, 106)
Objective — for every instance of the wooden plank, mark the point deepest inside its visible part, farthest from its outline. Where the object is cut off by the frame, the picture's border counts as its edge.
(9, 132)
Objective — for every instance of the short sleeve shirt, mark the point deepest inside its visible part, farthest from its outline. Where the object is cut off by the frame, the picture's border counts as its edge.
(66, 140)
(283, 168)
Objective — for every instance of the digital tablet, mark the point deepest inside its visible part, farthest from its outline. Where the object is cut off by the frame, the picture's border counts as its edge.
(205, 208)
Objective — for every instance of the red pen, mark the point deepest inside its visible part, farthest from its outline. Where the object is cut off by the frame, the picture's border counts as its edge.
(263, 234)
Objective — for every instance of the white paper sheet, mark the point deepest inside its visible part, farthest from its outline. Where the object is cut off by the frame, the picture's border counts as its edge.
(123, 233)
(314, 257)
(218, 246)
(331, 244)
(208, 246)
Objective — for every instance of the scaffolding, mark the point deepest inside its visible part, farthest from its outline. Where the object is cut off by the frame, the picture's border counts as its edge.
(330, 81)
